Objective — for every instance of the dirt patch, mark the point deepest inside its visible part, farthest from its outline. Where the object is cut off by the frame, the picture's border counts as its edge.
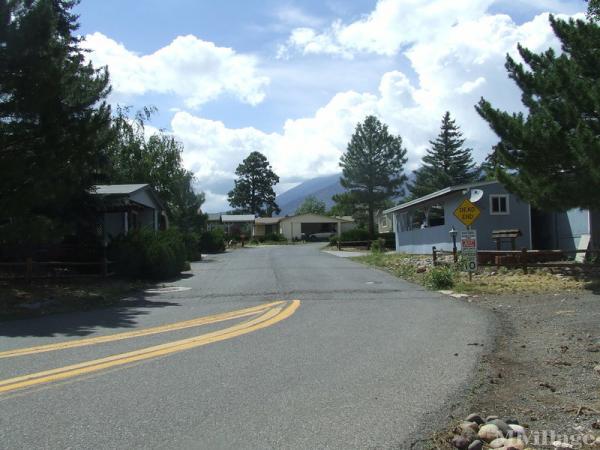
(19, 299)
(542, 370)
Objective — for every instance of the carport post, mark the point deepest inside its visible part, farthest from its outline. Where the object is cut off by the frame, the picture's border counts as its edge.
(339, 228)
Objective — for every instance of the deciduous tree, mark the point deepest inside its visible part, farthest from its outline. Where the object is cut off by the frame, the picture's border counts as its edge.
(312, 205)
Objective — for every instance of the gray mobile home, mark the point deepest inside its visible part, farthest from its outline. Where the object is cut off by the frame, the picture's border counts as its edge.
(426, 222)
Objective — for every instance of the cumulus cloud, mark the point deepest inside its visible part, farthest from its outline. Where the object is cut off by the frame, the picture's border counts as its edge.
(452, 70)
(196, 71)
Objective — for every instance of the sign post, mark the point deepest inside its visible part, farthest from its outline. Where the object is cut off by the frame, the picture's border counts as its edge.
(467, 213)
(468, 242)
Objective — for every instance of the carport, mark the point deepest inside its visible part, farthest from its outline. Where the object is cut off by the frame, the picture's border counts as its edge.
(318, 226)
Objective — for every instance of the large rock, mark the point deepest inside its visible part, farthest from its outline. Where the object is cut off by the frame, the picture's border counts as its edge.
(476, 445)
(460, 442)
(464, 426)
(498, 443)
(514, 443)
(516, 430)
(489, 432)
(475, 418)
(502, 425)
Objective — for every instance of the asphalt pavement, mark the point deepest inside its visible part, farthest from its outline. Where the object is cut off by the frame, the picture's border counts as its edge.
(361, 360)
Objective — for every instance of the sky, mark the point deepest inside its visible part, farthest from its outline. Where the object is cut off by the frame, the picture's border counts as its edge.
(291, 79)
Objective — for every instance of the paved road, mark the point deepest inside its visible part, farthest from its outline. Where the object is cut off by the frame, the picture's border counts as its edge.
(364, 361)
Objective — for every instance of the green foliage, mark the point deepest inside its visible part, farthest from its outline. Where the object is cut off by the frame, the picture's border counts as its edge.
(149, 254)
(378, 246)
(157, 161)
(213, 241)
(54, 121)
(312, 205)
(440, 277)
(333, 240)
(593, 12)
(551, 157)
(253, 192)
(356, 234)
(372, 168)
(447, 162)
(275, 237)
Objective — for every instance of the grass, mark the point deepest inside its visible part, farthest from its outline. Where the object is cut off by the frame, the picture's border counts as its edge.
(487, 281)
(53, 296)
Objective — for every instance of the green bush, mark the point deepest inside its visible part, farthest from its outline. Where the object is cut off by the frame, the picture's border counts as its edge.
(333, 240)
(148, 254)
(356, 234)
(213, 241)
(275, 237)
(192, 246)
(378, 246)
(439, 277)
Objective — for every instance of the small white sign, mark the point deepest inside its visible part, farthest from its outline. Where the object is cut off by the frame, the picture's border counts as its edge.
(468, 242)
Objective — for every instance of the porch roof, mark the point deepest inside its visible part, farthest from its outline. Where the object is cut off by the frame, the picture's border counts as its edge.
(440, 193)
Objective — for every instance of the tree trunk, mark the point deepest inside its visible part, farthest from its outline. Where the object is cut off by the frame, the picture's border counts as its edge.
(371, 222)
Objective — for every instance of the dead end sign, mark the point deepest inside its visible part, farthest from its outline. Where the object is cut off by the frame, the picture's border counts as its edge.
(467, 212)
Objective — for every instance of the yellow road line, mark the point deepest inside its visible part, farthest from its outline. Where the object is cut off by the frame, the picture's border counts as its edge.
(270, 317)
(137, 333)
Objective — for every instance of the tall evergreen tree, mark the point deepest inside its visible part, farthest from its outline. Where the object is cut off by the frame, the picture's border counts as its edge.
(54, 121)
(551, 157)
(447, 162)
(373, 168)
(253, 192)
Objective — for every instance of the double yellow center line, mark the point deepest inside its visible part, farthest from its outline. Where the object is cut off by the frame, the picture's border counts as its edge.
(272, 313)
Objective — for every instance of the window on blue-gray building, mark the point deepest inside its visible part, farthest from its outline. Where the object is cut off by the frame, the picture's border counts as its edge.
(499, 204)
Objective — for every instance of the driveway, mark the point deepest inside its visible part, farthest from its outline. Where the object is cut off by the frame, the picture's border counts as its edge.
(350, 357)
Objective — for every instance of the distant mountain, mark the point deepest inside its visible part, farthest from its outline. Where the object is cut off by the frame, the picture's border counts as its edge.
(322, 187)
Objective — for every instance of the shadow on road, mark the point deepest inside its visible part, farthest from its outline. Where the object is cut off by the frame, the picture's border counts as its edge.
(124, 315)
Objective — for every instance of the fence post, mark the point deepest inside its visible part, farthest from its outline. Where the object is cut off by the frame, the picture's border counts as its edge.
(433, 250)
(339, 244)
(524, 260)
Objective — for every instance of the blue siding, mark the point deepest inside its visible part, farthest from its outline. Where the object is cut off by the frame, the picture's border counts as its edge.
(570, 226)
(420, 241)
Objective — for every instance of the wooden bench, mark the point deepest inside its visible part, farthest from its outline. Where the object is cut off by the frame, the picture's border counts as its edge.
(506, 236)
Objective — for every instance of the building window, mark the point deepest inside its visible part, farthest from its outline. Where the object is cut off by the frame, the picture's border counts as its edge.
(499, 205)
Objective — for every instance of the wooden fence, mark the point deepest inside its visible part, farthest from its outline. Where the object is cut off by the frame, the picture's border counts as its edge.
(53, 261)
(526, 259)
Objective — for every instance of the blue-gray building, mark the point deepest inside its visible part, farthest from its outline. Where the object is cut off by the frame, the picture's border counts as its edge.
(426, 222)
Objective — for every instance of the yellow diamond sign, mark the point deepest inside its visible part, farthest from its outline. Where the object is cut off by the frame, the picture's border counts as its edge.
(467, 212)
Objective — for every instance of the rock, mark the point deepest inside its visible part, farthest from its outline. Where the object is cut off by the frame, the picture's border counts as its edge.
(515, 430)
(460, 442)
(490, 418)
(559, 444)
(475, 418)
(468, 426)
(489, 432)
(503, 426)
(476, 445)
(421, 269)
(512, 420)
(597, 369)
(469, 434)
(515, 443)
(498, 443)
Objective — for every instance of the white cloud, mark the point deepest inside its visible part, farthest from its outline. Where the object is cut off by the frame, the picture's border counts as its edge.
(452, 71)
(197, 71)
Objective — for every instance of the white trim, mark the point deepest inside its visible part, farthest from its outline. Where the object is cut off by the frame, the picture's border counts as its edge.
(500, 213)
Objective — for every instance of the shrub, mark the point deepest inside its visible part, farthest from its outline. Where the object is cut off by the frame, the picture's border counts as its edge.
(440, 277)
(356, 234)
(213, 241)
(275, 237)
(148, 254)
(333, 240)
(192, 246)
(378, 246)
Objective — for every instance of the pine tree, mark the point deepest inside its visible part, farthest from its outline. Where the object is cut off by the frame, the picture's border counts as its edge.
(373, 168)
(551, 157)
(54, 122)
(253, 192)
(447, 162)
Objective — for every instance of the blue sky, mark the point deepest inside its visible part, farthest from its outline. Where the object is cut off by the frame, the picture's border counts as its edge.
(292, 79)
